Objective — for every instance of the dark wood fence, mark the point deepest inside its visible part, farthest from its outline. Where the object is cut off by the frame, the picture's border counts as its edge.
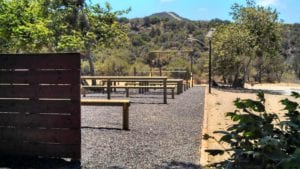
(40, 105)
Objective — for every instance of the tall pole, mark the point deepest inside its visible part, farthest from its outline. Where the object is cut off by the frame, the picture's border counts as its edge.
(192, 84)
(209, 67)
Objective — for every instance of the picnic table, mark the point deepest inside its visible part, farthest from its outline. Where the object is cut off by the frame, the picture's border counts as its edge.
(142, 80)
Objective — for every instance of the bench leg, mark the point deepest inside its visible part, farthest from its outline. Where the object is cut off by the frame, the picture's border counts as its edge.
(83, 92)
(115, 84)
(125, 117)
(165, 90)
(127, 92)
(173, 95)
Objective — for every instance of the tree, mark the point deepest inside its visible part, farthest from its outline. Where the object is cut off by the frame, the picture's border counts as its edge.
(232, 45)
(296, 65)
(254, 38)
(23, 27)
(264, 27)
(59, 26)
(86, 27)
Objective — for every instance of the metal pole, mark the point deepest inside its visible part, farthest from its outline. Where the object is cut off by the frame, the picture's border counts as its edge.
(192, 84)
(209, 67)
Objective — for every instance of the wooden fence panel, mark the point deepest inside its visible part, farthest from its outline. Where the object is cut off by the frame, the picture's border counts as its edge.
(29, 77)
(40, 105)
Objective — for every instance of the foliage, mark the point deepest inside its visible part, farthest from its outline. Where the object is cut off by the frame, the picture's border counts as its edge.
(233, 45)
(265, 29)
(258, 139)
(253, 40)
(23, 27)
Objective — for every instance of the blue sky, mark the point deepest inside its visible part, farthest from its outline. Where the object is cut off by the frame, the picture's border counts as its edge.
(202, 9)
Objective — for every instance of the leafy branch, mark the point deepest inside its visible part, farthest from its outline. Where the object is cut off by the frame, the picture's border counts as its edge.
(259, 139)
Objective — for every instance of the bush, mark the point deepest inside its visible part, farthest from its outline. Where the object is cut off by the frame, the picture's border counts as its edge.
(259, 140)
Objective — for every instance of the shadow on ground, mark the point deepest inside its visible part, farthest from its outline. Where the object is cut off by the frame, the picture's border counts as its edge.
(245, 90)
(101, 128)
(177, 165)
(36, 163)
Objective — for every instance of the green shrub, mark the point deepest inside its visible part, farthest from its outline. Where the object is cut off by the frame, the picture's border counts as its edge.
(260, 140)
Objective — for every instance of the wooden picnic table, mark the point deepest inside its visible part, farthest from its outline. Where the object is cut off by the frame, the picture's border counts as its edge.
(141, 79)
(179, 83)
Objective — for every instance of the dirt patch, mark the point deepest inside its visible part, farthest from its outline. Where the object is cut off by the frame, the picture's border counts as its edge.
(220, 102)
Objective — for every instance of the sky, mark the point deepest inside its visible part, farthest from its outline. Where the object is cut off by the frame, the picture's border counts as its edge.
(289, 10)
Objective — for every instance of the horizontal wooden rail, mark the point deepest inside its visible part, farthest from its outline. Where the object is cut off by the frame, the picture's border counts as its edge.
(172, 88)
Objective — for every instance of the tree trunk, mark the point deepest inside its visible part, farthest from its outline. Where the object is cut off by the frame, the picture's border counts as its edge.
(238, 82)
(89, 57)
(246, 71)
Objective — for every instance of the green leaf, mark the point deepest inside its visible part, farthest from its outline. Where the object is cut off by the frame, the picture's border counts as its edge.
(236, 117)
(261, 96)
(289, 105)
(226, 138)
(296, 95)
(230, 114)
(248, 134)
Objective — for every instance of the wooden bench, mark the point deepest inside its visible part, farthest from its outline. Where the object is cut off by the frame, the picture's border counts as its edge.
(139, 79)
(124, 103)
(172, 88)
(40, 105)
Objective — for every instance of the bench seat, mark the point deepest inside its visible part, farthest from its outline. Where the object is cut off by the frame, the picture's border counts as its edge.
(101, 102)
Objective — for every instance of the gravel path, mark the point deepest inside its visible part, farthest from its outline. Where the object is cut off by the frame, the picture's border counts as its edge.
(160, 137)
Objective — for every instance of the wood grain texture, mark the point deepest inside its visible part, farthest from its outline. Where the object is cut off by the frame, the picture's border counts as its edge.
(40, 91)
(59, 136)
(38, 76)
(39, 120)
(40, 149)
(40, 61)
(40, 106)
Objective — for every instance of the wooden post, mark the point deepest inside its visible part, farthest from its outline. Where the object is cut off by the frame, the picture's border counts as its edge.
(115, 89)
(140, 90)
(179, 87)
(83, 92)
(127, 92)
(108, 88)
(147, 84)
(165, 90)
(103, 90)
(125, 116)
(173, 95)
(134, 71)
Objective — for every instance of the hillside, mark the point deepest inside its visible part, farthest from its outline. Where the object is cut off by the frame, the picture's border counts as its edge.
(168, 31)
(168, 15)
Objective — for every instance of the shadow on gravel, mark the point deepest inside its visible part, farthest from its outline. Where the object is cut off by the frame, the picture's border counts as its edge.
(244, 90)
(115, 167)
(37, 163)
(100, 128)
(133, 102)
(177, 164)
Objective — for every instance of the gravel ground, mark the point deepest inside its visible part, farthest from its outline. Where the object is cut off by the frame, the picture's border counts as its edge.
(160, 137)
